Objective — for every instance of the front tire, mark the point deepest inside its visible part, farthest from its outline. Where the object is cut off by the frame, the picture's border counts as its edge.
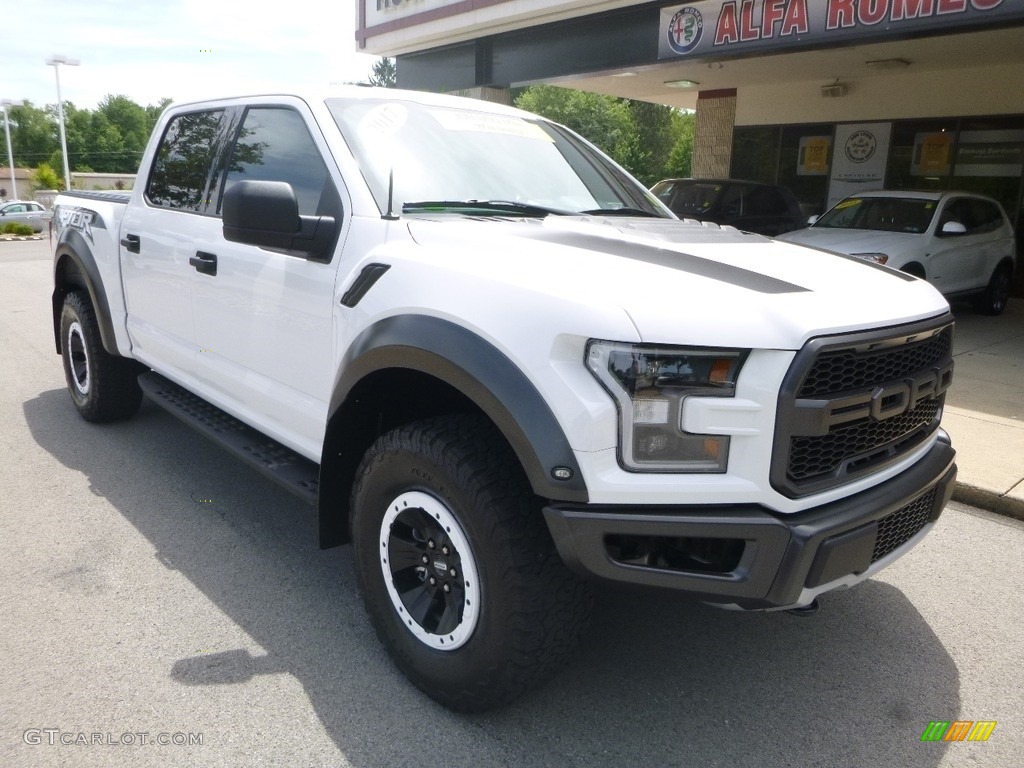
(997, 292)
(103, 387)
(459, 575)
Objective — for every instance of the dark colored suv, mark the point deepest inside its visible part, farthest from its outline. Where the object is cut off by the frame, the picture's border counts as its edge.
(763, 208)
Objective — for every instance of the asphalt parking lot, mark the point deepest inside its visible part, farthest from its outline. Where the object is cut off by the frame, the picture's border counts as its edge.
(154, 590)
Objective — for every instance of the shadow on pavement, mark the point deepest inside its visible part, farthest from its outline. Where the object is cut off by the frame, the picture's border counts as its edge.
(657, 682)
(989, 356)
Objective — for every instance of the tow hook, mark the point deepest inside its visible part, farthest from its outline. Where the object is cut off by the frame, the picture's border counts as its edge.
(805, 611)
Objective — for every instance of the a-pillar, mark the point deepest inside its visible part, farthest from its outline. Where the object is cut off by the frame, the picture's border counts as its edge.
(712, 138)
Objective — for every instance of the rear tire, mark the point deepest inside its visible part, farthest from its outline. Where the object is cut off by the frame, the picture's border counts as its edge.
(103, 387)
(459, 574)
(993, 300)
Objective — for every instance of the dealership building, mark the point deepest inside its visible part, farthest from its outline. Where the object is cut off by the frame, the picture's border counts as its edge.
(827, 97)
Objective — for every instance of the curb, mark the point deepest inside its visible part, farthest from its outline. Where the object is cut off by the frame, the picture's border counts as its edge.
(21, 237)
(990, 501)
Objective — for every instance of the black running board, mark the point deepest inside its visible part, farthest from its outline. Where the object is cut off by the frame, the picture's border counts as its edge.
(283, 465)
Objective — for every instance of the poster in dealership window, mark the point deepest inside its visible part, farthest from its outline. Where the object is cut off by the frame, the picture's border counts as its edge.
(813, 156)
(859, 159)
(932, 152)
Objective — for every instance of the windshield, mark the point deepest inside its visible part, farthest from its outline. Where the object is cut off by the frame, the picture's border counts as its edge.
(440, 156)
(884, 214)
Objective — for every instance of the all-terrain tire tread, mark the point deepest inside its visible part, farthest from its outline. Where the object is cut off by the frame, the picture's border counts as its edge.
(543, 628)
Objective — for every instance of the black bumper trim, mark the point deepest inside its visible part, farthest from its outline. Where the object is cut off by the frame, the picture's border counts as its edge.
(782, 553)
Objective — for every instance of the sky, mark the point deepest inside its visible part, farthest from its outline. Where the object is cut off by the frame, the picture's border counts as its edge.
(179, 49)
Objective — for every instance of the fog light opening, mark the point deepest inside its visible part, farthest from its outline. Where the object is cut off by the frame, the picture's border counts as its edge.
(676, 553)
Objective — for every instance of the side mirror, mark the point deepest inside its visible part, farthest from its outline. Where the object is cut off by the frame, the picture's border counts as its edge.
(954, 228)
(266, 214)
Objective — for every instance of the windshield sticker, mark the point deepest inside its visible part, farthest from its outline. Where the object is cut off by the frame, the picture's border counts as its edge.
(848, 204)
(384, 120)
(478, 122)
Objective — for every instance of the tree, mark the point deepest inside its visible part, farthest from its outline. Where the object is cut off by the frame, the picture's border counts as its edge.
(153, 111)
(604, 120)
(47, 178)
(655, 136)
(651, 141)
(107, 147)
(680, 159)
(33, 134)
(384, 73)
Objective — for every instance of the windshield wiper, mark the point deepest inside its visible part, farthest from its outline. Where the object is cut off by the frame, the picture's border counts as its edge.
(620, 212)
(473, 206)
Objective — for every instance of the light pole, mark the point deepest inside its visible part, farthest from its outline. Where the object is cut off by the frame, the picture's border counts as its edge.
(55, 62)
(10, 153)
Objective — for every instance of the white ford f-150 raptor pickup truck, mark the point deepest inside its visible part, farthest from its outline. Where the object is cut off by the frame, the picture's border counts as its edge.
(503, 371)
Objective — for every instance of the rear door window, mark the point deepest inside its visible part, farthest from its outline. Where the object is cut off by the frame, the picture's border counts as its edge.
(185, 171)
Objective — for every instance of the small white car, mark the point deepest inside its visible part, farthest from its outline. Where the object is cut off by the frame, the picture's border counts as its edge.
(961, 243)
(23, 212)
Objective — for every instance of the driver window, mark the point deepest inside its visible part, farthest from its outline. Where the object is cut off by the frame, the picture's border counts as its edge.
(274, 144)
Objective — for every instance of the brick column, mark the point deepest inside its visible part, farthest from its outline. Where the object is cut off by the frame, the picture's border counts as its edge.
(487, 93)
(712, 140)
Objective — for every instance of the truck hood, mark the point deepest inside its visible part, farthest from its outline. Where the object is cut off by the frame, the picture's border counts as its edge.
(854, 240)
(681, 281)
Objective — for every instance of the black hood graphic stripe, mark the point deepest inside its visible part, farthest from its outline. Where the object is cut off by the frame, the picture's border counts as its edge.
(663, 257)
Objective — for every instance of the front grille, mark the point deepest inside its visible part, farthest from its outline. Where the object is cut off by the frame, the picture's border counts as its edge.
(901, 526)
(853, 404)
(847, 369)
(811, 457)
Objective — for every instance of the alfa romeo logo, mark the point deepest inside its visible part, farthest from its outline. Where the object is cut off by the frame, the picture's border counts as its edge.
(685, 29)
(861, 146)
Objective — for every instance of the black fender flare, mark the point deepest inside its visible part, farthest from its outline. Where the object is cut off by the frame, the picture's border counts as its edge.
(72, 245)
(462, 359)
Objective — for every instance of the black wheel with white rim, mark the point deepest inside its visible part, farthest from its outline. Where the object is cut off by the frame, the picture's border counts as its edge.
(458, 572)
(997, 293)
(103, 387)
(78, 359)
(429, 571)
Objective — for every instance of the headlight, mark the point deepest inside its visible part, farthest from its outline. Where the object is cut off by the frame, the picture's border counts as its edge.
(649, 384)
(878, 258)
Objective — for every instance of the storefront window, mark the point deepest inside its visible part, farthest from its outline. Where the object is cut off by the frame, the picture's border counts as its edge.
(975, 154)
(805, 153)
(921, 154)
(989, 160)
(755, 154)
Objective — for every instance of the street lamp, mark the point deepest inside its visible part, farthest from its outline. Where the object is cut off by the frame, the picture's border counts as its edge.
(10, 154)
(55, 62)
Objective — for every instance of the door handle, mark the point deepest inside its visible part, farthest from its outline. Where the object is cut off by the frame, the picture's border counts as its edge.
(131, 243)
(204, 262)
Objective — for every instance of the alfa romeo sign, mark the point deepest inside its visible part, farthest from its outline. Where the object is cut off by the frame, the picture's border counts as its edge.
(720, 27)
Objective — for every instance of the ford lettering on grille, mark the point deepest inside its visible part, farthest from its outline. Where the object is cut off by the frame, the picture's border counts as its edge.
(853, 403)
(819, 417)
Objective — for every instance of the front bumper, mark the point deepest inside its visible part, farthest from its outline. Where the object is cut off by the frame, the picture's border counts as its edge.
(749, 557)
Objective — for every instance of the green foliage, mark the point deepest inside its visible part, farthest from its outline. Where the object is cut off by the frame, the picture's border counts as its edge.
(33, 134)
(47, 178)
(17, 228)
(108, 139)
(650, 141)
(602, 119)
(680, 158)
(384, 73)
